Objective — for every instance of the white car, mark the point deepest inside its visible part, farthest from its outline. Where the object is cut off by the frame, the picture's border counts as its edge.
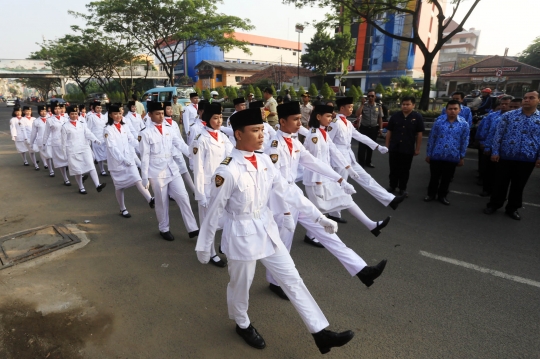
(10, 102)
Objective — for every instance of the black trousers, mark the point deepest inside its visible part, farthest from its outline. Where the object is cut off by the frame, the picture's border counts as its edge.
(482, 164)
(513, 174)
(490, 174)
(364, 152)
(442, 173)
(400, 167)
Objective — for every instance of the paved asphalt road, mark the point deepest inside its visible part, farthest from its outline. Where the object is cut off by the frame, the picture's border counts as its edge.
(458, 284)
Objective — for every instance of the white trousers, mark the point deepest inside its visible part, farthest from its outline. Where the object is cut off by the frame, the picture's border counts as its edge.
(352, 262)
(174, 187)
(282, 267)
(202, 216)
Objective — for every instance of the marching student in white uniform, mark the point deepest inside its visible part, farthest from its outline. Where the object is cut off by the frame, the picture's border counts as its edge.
(82, 113)
(36, 139)
(134, 121)
(96, 123)
(197, 124)
(287, 154)
(190, 112)
(75, 138)
(52, 140)
(121, 159)
(209, 149)
(325, 194)
(159, 169)
(179, 156)
(269, 132)
(241, 189)
(19, 133)
(28, 122)
(341, 131)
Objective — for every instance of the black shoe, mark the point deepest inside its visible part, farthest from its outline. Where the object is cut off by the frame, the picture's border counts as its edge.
(46, 167)
(513, 214)
(82, 191)
(95, 162)
(312, 242)
(404, 193)
(36, 168)
(391, 190)
(336, 219)
(26, 164)
(489, 210)
(100, 187)
(325, 339)
(485, 194)
(369, 166)
(444, 201)
(369, 274)
(380, 225)
(396, 201)
(67, 183)
(167, 236)
(124, 213)
(84, 178)
(221, 263)
(37, 161)
(193, 234)
(277, 289)
(429, 198)
(51, 174)
(152, 202)
(251, 336)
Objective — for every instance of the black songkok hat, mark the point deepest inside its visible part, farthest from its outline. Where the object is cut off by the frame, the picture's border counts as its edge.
(251, 116)
(238, 101)
(63, 104)
(114, 108)
(202, 104)
(344, 101)
(320, 109)
(131, 103)
(193, 94)
(155, 106)
(288, 109)
(96, 103)
(210, 110)
(71, 109)
(26, 108)
(119, 104)
(54, 105)
(41, 108)
(81, 107)
(167, 103)
(107, 106)
(256, 104)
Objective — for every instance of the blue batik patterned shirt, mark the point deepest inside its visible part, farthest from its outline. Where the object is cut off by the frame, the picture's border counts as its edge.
(482, 131)
(517, 137)
(465, 113)
(448, 140)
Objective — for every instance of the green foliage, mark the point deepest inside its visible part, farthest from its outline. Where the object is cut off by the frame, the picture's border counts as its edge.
(198, 91)
(250, 89)
(292, 92)
(232, 93)
(531, 55)
(301, 91)
(353, 92)
(282, 90)
(274, 93)
(327, 92)
(313, 90)
(258, 93)
(360, 92)
(263, 83)
(221, 91)
(403, 82)
(379, 88)
(206, 94)
(241, 93)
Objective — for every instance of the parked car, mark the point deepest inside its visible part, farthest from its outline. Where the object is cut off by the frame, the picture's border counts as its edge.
(54, 99)
(166, 94)
(98, 96)
(10, 102)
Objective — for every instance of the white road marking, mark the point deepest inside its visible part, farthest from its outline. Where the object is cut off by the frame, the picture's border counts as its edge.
(482, 269)
(475, 195)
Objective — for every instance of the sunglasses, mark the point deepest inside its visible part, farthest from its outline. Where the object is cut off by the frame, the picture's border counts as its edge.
(370, 96)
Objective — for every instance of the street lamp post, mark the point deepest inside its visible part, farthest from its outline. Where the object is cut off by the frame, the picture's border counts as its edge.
(299, 28)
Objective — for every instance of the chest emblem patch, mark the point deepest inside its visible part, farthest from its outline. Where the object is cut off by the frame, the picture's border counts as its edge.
(195, 150)
(274, 158)
(314, 140)
(219, 180)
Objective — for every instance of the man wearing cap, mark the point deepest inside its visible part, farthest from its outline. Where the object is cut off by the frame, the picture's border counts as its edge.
(96, 123)
(370, 126)
(138, 106)
(250, 98)
(36, 139)
(159, 169)
(241, 187)
(305, 108)
(287, 154)
(487, 102)
(190, 113)
(271, 106)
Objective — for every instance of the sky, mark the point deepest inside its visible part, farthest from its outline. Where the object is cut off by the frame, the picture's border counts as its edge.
(502, 23)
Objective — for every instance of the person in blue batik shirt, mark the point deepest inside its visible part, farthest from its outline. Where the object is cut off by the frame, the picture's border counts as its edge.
(446, 148)
(465, 111)
(516, 147)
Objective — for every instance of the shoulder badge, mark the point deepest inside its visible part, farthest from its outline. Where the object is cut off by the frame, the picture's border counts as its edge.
(274, 158)
(226, 161)
(192, 124)
(334, 120)
(197, 137)
(329, 128)
(139, 138)
(195, 150)
(274, 143)
(313, 130)
(314, 139)
(219, 180)
(143, 128)
(106, 135)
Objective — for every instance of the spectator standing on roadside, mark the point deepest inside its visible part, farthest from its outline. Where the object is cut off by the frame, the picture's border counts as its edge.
(305, 108)
(139, 106)
(177, 110)
(403, 139)
(287, 97)
(487, 102)
(250, 98)
(271, 106)
(370, 126)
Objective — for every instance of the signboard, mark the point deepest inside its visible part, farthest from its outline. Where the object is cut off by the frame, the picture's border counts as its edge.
(493, 70)
(499, 73)
(24, 66)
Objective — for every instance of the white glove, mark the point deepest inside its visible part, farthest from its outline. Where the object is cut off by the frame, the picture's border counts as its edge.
(329, 226)
(203, 203)
(352, 173)
(318, 190)
(145, 183)
(127, 163)
(203, 257)
(97, 142)
(27, 142)
(347, 188)
(382, 149)
(288, 223)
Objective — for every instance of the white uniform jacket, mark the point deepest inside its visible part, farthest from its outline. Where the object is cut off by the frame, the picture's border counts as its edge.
(207, 154)
(324, 150)
(76, 148)
(157, 151)
(190, 114)
(96, 123)
(38, 129)
(342, 132)
(119, 147)
(18, 129)
(194, 129)
(184, 148)
(135, 123)
(52, 135)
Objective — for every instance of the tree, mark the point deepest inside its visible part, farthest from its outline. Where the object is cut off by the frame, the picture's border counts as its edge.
(377, 13)
(313, 90)
(403, 82)
(531, 55)
(198, 91)
(250, 89)
(282, 90)
(379, 88)
(301, 91)
(325, 53)
(258, 93)
(206, 94)
(241, 93)
(274, 93)
(232, 93)
(292, 92)
(467, 62)
(353, 92)
(327, 92)
(167, 27)
(221, 92)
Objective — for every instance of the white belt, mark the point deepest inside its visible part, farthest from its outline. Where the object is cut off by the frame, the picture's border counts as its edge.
(160, 156)
(254, 215)
(344, 146)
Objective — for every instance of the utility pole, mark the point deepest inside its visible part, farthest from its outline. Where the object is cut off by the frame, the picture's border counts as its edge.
(299, 29)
